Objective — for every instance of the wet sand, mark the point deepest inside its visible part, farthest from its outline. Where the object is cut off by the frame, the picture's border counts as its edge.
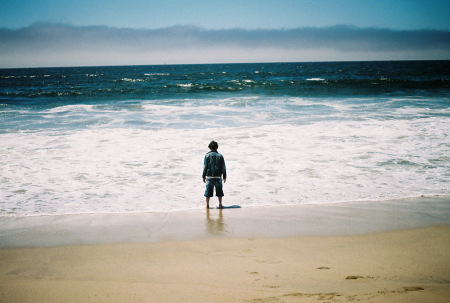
(353, 218)
(372, 252)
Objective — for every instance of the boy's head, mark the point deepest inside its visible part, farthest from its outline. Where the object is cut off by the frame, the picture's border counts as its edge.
(213, 145)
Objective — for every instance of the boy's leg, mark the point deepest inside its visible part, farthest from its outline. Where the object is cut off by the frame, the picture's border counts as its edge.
(207, 202)
(219, 192)
(208, 191)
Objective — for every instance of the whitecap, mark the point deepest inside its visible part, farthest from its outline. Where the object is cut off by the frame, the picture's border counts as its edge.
(132, 80)
(67, 108)
(156, 74)
(315, 79)
(185, 85)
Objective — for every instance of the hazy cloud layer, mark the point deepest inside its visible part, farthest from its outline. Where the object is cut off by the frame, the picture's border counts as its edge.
(64, 45)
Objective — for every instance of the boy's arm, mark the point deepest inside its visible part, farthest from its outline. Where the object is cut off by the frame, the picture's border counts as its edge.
(204, 170)
(224, 171)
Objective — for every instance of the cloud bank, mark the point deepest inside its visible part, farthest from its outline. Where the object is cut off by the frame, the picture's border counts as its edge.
(42, 45)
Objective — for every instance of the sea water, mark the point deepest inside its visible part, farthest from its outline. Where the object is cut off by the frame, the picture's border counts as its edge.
(133, 138)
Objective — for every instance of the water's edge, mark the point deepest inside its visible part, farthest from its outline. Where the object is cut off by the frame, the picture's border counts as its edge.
(270, 221)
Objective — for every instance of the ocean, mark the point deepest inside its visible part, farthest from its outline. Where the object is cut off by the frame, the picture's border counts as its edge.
(131, 139)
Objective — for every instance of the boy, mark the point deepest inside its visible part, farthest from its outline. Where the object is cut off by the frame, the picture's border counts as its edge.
(213, 169)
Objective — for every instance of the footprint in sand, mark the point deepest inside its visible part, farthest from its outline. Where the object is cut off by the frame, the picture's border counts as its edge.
(353, 277)
(413, 288)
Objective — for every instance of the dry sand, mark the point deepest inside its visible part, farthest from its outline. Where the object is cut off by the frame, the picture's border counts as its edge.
(397, 266)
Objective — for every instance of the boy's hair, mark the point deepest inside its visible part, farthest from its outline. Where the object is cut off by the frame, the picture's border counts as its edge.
(213, 145)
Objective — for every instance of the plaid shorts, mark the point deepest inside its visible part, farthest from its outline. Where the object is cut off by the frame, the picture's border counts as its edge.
(212, 183)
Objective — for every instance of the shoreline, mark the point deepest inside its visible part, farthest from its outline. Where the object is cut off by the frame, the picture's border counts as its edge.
(337, 219)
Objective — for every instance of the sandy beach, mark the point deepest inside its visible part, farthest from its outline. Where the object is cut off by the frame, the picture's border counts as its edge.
(400, 266)
(222, 259)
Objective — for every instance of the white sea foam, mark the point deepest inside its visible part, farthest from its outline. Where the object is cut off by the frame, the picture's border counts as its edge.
(133, 170)
(132, 80)
(70, 108)
(185, 85)
(157, 74)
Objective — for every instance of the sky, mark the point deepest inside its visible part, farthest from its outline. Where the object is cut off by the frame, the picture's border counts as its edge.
(44, 33)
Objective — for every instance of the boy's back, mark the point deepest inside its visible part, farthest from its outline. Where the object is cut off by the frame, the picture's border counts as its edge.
(214, 165)
(213, 170)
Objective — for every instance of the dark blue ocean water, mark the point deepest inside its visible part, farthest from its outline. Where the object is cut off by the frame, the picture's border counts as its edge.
(62, 86)
(117, 139)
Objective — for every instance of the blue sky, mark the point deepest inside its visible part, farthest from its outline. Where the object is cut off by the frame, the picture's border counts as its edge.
(66, 33)
(226, 14)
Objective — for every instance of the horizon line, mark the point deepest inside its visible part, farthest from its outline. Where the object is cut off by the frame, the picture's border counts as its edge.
(224, 63)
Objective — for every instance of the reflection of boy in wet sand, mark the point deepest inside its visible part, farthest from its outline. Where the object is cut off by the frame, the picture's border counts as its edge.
(213, 169)
(215, 225)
